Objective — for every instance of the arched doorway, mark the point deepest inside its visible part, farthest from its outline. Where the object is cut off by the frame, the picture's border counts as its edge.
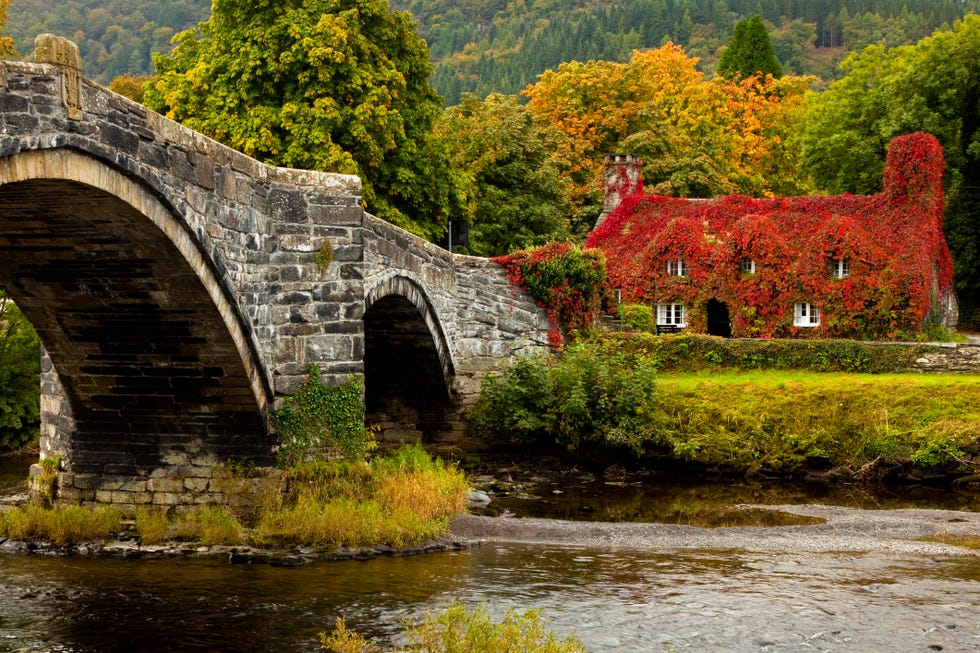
(405, 392)
(719, 321)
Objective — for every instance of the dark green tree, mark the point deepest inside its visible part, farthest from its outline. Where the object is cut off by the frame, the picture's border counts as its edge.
(332, 85)
(518, 200)
(20, 386)
(749, 51)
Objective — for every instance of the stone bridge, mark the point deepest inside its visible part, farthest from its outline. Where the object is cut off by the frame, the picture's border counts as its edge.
(182, 289)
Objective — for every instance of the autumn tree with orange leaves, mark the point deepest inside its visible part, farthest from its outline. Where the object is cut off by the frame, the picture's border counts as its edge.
(697, 137)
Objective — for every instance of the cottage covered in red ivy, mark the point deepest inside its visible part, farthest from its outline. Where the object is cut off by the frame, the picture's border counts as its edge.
(867, 267)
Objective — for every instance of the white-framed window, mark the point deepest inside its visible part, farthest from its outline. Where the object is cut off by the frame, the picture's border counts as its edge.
(677, 267)
(806, 315)
(747, 266)
(671, 315)
(840, 268)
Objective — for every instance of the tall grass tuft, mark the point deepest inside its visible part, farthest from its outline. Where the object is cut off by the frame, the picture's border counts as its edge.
(152, 524)
(59, 525)
(398, 500)
(458, 629)
(401, 499)
(209, 525)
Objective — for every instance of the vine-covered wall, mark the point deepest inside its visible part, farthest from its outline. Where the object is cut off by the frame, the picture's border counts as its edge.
(565, 279)
(873, 267)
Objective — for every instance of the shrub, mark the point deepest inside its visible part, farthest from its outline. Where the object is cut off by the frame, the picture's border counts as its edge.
(591, 396)
(639, 317)
(563, 278)
(694, 352)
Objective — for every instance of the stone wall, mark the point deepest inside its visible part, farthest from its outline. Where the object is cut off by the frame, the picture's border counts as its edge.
(951, 357)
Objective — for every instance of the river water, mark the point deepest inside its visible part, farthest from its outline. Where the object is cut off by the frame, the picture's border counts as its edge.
(612, 599)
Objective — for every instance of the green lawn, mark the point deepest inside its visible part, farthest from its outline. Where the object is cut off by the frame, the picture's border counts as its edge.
(789, 420)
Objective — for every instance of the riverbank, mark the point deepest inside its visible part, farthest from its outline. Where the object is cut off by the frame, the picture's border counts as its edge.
(913, 531)
(775, 409)
(236, 555)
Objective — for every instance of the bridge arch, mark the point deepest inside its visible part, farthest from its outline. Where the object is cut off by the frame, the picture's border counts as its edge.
(408, 366)
(153, 355)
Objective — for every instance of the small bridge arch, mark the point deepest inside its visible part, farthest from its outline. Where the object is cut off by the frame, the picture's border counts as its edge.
(408, 367)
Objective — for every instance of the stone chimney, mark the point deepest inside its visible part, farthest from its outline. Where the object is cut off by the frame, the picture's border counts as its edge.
(622, 178)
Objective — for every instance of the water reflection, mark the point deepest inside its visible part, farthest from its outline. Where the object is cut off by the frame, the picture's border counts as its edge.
(13, 473)
(615, 600)
(705, 502)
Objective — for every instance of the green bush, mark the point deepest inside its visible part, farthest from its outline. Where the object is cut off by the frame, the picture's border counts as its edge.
(743, 406)
(589, 397)
(694, 352)
(639, 317)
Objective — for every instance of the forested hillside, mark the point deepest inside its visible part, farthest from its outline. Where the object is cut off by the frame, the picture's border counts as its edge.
(114, 36)
(483, 46)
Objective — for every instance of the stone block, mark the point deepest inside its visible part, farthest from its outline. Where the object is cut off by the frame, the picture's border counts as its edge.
(196, 485)
(103, 496)
(168, 499)
(121, 499)
(164, 485)
(70, 495)
(141, 498)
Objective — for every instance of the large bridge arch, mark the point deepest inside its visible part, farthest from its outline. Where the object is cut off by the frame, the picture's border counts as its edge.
(408, 366)
(151, 352)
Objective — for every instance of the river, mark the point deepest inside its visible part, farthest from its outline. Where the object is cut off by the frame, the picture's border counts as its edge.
(614, 598)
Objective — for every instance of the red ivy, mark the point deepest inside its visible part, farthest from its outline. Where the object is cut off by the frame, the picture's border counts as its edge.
(564, 279)
(899, 265)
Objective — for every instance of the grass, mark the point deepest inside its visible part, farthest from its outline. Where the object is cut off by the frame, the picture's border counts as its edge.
(401, 499)
(459, 629)
(60, 525)
(789, 420)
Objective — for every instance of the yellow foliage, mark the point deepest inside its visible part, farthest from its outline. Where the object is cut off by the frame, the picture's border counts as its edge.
(659, 105)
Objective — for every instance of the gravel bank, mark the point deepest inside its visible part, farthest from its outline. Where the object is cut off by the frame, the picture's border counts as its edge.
(845, 529)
